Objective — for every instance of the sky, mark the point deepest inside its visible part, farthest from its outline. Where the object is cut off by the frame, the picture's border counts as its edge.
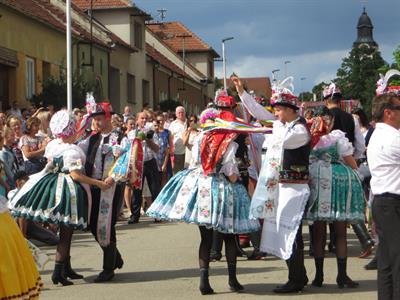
(314, 35)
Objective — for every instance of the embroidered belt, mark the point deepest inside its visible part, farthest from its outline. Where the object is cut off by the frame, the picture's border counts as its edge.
(290, 176)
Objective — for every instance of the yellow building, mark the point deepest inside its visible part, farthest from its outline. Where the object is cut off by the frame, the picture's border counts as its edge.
(33, 48)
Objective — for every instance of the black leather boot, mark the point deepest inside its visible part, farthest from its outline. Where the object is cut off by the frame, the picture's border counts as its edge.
(58, 274)
(119, 262)
(297, 274)
(205, 288)
(372, 265)
(109, 257)
(69, 272)
(234, 284)
(215, 254)
(365, 239)
(319, 271)
(342, 279)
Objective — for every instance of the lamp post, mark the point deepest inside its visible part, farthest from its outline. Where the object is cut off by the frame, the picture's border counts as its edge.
(223, 58)
(273, 74)
(69, 56)
(286, 62)
(301, 87)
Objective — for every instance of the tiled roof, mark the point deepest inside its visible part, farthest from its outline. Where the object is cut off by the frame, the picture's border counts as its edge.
(171, 33)
(97, 4)
(260, 85)
(164, 61)
(43, 11)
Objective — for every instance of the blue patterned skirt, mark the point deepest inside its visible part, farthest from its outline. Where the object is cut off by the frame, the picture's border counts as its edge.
(210, 201)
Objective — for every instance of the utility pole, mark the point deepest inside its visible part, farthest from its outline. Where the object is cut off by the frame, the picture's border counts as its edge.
(224, 59)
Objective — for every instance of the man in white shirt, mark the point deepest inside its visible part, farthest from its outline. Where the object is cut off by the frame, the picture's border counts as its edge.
(178, 128)
(150, 167)
(384, 162)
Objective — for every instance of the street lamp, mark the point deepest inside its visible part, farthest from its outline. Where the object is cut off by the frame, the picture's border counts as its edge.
(286, 62)
(223, 58)
(301, 87)
(273, 74)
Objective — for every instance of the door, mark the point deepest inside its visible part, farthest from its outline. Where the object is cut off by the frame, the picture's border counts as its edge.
(4, 95)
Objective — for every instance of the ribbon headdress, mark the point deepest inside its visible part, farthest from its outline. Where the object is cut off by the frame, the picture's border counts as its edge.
(282, 93)
(381, 85)
(330, 90)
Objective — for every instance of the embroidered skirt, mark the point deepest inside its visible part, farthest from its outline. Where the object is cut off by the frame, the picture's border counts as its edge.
(19, 277)
(53, 198)
(210, 201)
(336, 194)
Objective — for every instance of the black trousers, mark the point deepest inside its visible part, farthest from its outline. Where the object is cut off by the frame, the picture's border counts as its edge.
(152, 175)
(386, 214)
(297, 271)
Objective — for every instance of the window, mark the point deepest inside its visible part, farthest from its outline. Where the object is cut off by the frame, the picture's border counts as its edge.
(138, 35)
(30, 77)
(46, 71)
(131, 94)
(146, 91)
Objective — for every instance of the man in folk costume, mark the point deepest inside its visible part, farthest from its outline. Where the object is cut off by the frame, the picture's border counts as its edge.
(99, 161)
(282, 190)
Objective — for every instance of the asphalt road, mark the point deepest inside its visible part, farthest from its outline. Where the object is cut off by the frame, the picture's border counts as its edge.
(161, 263)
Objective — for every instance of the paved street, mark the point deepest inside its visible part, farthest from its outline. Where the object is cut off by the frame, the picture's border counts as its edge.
(161, 263)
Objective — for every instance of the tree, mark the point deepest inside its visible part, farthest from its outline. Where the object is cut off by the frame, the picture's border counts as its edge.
(306, 96)
(318, 89)
(54, 92)
(169, 105)
(359, 73)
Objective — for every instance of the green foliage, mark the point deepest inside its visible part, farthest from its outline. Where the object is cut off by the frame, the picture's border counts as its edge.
(169, 105)
(359, 73)
(306, 96)
(54, 92)
(318, 89)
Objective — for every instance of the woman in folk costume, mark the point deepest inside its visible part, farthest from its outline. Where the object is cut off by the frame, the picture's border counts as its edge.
(336, 193)
(19, 277)
(282, 190)
(59, 194)
(208, 194)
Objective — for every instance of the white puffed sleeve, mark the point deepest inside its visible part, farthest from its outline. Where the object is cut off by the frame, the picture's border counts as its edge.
(74, 159)
(229, 162)
(345, 148)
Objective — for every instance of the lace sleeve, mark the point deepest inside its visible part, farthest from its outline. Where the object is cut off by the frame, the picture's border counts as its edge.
(74, 160)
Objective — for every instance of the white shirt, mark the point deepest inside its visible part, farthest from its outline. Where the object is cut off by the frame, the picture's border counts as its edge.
(177, 129)
(384, 159)
(148, 153)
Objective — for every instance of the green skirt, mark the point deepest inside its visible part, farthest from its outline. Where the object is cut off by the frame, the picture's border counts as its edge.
(55, 198)
(338, 198)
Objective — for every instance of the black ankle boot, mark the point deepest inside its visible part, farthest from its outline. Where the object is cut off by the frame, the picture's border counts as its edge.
(233, 282)
(69, 272)
(205, 288)
(319, 271)
(58, 274)
(342, 279)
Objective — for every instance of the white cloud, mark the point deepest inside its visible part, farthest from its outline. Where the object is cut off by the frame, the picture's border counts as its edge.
(316, 67)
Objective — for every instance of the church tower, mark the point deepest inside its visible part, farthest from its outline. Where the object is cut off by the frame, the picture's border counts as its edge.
(364, 32)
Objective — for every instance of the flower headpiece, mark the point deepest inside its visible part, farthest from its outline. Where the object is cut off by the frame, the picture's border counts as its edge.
(208, 114)
(381, 85)
(282, 93)
(222, 99)
(62, 124)
(330, 90)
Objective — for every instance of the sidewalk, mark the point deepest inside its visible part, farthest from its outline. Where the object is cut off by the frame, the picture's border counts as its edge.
(161, 263)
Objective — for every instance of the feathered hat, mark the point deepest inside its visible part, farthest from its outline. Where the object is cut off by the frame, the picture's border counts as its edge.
(96, 109)
(222, 100)
(282, 94)
(331, 90)
(381, 85)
